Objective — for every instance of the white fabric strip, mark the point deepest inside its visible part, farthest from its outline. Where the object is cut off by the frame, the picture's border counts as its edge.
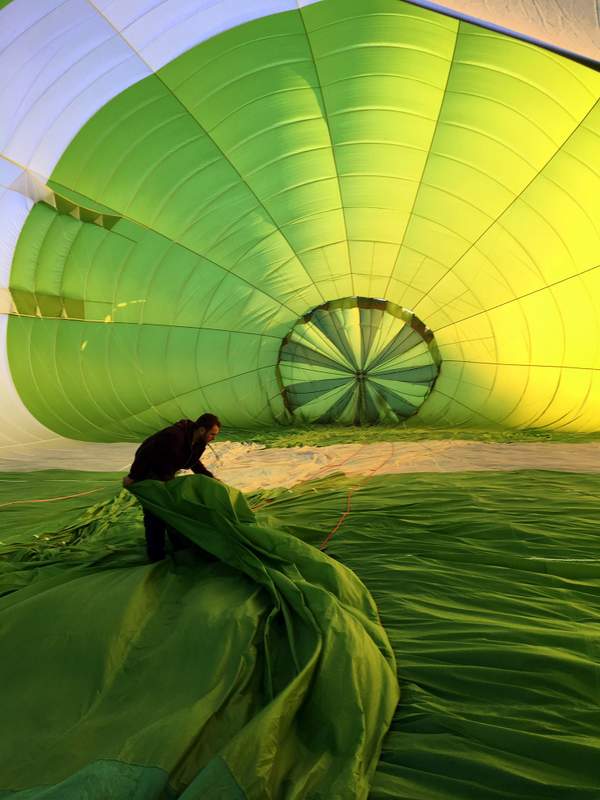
(14, 208)
(64, 62)
(16, 422)
(161, 30)
(250, 466)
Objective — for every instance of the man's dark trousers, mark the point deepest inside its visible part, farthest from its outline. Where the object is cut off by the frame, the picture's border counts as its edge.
(156, 529)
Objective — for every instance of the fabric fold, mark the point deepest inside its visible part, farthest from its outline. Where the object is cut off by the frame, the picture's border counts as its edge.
(329, 681)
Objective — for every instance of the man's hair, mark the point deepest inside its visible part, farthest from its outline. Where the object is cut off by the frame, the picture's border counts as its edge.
(208, 421)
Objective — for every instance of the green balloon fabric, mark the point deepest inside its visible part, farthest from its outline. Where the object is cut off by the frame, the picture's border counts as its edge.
(343, 149)
(489, 596)
(263, 674)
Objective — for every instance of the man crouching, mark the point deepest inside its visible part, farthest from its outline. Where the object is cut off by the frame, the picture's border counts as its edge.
(159, 457)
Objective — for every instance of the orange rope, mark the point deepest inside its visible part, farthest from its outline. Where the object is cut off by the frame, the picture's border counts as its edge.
(51, 499)
(348, 510)
(341, 520)
(345, 514)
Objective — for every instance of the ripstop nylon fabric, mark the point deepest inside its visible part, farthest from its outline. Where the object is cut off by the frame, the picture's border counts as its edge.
(490, 597)
(346, 148)
(272, 658)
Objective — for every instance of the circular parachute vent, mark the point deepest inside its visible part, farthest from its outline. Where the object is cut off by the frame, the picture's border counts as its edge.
(357, 360)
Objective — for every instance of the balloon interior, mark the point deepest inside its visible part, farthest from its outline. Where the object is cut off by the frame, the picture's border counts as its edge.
(366, 235)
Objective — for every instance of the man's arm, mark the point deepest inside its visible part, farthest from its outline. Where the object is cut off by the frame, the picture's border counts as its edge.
(200, 469)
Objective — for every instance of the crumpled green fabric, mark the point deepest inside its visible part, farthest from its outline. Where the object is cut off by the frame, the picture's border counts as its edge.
(328, 675)
(262, 672)
(487, 583)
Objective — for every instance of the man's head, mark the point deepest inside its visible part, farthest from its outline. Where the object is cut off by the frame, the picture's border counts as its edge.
(207, 428)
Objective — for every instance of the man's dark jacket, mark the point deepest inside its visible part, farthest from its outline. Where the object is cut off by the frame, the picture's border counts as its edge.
(162, 454)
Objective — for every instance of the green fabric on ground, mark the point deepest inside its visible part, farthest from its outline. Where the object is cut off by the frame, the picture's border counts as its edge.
(488, 585)
(272, 657)
(489, 588)
(46, 501)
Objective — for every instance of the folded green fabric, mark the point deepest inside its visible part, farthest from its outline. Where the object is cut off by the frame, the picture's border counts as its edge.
(487, 583)
(264, 673)
(327, 674)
